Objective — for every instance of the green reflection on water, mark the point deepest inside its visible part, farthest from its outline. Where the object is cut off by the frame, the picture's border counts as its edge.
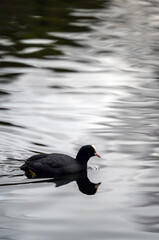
(21, 19)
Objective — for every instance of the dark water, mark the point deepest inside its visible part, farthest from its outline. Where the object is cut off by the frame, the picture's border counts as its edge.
(75, 73)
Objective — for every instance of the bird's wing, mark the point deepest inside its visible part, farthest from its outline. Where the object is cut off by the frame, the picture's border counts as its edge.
(36, 157)
(56, 160)
(46, 162)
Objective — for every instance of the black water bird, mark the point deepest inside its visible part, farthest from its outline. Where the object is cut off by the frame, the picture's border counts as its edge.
(56, 164)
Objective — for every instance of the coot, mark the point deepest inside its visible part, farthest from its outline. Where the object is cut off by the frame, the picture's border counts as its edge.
(56, 164)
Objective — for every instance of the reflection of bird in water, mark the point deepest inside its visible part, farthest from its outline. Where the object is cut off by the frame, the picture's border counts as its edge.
(55, 164)
(84, 184)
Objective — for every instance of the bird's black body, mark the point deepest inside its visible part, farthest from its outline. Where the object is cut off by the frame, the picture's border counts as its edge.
(55, 164)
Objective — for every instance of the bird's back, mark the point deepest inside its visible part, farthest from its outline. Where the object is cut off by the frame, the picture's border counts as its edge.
(55, 164)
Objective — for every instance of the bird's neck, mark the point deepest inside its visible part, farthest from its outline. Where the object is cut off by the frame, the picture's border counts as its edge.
(82, 158)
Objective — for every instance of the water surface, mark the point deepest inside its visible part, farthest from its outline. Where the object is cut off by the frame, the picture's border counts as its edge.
(75, 73)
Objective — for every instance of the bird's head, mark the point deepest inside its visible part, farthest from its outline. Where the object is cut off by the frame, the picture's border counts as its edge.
(86, 152)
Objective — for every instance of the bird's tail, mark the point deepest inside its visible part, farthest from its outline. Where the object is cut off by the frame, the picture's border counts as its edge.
(24, 167)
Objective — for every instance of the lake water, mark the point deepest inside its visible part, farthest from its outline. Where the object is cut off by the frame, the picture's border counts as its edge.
(75, 73)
